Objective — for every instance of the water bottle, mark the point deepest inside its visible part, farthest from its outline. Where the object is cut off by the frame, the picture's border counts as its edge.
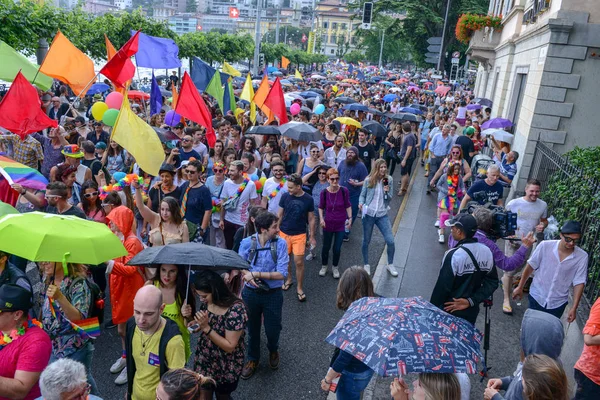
(346, 229)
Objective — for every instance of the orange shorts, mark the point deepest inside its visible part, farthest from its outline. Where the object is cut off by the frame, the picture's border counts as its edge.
(296, 244)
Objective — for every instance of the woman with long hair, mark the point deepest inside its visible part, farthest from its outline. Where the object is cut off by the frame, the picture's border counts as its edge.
(392, 146)
(456, 156)
(215, 155)
(354, 375)
(307, 167)
(115, 158)
(451, 190)
(214, 183)
(248, 145)
(182, 384)
(66, 174)
(222, 321)
(172, 282)
(290, 155)
(67, 298)
(374, 200)
(428, 387)
(335, 214)
(91, 204)
(163, 188)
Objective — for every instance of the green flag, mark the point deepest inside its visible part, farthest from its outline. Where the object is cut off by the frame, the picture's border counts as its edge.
(231, 95)
(13, 62)
(215, 89)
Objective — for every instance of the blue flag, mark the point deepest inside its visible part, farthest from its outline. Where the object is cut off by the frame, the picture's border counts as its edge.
(157, 53)
(201, 73)
(360, 76)
(351, 69)
(155, 97)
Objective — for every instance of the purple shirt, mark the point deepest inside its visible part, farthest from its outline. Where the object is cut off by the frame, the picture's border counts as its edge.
(500, 259)
(52, 156)
(334, 207)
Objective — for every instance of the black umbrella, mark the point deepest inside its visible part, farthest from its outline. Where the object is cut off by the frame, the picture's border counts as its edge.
(483, 101)
(397, 117)
(375, 111)
(345, 100)
(300, 131)
(320, 91)
(263, 130)
(160, 132)
(410, 117)
(375, 128)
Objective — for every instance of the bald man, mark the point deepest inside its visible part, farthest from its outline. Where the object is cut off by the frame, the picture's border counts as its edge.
(153, 344)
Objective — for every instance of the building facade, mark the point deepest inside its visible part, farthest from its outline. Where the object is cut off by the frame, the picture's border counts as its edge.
(542, 71)
(336, 28)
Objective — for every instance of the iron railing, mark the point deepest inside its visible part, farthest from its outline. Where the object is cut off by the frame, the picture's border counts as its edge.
(571, 194)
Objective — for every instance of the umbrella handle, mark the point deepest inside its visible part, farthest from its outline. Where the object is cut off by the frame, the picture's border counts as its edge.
(187, 291)
(64, 263)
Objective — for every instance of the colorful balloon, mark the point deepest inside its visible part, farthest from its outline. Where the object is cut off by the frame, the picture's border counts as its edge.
(254, 177)
(172, 118)
(295, 109)
(114, 100)
(110, 117)
(334, 88)
(98, 110)
(319, 109)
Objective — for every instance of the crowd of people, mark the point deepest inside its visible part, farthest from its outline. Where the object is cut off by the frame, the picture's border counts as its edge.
(272, 199)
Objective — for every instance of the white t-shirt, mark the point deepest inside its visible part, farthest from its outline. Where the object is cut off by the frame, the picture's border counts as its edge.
(528, 214)
(239, 215)
(270, 186)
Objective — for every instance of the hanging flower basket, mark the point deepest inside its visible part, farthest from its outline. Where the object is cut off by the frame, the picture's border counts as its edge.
(469, 23)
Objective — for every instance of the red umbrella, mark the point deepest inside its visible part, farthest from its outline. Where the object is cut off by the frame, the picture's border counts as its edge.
(442, 90)
(136, 94)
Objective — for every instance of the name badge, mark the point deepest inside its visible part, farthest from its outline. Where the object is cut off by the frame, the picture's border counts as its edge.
(153, 360)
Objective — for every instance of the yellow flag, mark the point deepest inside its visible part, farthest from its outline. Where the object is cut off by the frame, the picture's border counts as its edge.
(298, 75)
(229, 70)
(248, 95)
(138, 138)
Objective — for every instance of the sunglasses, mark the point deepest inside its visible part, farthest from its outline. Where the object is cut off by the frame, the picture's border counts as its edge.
(334, 179)
(190, 171)
(218, 171)
(571, 240)
(185, 140)
(52, 196)
(88, 195)
(322, 173)
(456, 152)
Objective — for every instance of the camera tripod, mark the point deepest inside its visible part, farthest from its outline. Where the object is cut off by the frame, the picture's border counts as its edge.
(487, 304)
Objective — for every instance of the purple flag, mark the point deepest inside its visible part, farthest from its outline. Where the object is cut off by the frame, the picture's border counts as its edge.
(157, 53)
(155, 97)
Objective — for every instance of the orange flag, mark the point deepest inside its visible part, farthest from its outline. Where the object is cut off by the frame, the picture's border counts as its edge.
(260, 96)
(110, 49)
(175, 96)
(284, 62)
(67, 63)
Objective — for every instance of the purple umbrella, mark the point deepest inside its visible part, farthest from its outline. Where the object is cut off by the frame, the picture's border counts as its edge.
(471, 107)
(498, 123)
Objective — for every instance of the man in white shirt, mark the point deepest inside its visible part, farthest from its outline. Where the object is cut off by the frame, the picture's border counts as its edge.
(531, 217)
(335, 154)
(274, 187)
(558, 265)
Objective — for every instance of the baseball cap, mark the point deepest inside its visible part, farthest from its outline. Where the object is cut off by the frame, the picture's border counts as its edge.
(469, 131)
(571, 227)
(465, 222)
(101, 145)
(14, 298)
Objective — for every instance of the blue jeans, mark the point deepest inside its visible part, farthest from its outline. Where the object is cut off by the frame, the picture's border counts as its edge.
(385, 227)
(329, 238)
(352, 384)
(263, 306)
(557, 312)
(84, 355)
(354, 206)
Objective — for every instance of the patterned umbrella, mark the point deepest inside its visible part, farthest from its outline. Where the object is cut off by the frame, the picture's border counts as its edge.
(396, 336)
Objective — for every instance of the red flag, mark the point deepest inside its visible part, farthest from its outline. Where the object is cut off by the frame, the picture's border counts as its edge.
(119, 69)
(276, 103)
(21, 112)
(191, 106)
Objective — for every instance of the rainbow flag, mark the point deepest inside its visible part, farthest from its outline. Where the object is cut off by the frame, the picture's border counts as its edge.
(15, 172)
(87, 328)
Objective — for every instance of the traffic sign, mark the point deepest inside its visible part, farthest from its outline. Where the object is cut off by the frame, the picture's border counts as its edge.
(456, 54)
(455, 60)
(234, 12)
(304, 38)
(434, 40)
(432, 55)
(431, 60)
(434, 48)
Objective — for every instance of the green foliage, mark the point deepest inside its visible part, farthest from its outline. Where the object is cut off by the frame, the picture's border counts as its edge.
(354, 57)
(294, 36)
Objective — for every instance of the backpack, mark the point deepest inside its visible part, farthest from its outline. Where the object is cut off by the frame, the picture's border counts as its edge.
(253, 253)
(107, 176)
(97, 304)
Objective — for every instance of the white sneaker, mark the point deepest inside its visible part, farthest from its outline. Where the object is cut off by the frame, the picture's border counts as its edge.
(336, 272)
(367, 268)
(323, 270)
(437, 223)
(392, 270)
(441, 238)
(122, 378)
(310, 256)
(118, 365)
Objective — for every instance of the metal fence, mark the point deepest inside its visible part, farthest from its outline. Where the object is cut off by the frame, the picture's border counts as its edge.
(571, 194)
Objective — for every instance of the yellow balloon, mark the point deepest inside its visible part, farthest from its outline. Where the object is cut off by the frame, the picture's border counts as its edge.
(334, 88)
(98, 110)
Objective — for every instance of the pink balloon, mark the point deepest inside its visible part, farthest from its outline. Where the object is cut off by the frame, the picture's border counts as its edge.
(114, 100)
(295, 108)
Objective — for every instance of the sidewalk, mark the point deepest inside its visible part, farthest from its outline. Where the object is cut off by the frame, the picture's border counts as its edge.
(418, 258)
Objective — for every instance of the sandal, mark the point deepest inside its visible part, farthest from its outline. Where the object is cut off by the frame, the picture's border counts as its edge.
(287, 285)
(402, 192)
(507, 310)
(301, 297)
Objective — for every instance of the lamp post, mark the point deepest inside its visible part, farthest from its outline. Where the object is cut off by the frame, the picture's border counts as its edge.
(257, 37)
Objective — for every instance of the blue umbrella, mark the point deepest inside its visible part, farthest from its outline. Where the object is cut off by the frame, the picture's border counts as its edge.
(309, 94)
(355, 107)
(396, 336)
(410, 110)
(272, 69)
(387, 83)
(388, 98)
(97, 88)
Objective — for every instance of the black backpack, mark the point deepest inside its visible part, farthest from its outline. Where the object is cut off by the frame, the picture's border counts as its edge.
(253, 253)
(97, 303)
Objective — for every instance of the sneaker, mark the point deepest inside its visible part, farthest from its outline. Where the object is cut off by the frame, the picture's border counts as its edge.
(249, 369)
(274, 360)
(122, 378)
(346, 238)
(310, 256)
(323, 270)
(392, 270)
(336, 272)
(118, 365)
(109, 324)
(437, 223)
(428, 192)
(441, 238)
(367, 269)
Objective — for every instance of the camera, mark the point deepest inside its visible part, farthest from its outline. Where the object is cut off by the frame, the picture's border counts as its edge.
(504, 222)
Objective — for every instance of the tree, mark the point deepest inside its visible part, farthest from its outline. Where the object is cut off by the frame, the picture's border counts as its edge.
(354, 56)
(273, 52)
(294, 36)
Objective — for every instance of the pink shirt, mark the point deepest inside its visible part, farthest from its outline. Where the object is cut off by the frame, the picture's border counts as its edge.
(30, 353)
(589, 362)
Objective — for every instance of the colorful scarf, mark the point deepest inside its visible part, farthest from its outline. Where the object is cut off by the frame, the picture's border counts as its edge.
(275, 191)
(217, 203)
(126, 181)
(450, 202)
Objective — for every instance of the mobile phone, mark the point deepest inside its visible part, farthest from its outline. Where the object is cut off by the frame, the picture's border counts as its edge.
(385, 182)
(192, 328)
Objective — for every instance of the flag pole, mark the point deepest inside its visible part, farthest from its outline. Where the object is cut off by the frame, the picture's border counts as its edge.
(137, 70)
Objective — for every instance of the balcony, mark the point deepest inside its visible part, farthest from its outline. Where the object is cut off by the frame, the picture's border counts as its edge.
(482, 44)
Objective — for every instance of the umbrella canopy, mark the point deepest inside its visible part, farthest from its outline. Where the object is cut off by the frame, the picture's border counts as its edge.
(345, 100)
(277, 73)
(136, 94)
(355, 107)
(375, 111)
(354, 81)
(270, 70)
(499, 134)
(410, 117)
(388, 98)
(38, 236)
(395, 89)
(198, 256)
(6, 208)
(308, 94)
(97, 88)
(386, 83)
(483, 101)
(375, 128)
(317, 77)
(499, 123)
(396, 336)
(413, 89)
(300, 131)
(471, 107)
(411, 110)
(348, 121)
(263, 130)
(317, 90)
(442, 90)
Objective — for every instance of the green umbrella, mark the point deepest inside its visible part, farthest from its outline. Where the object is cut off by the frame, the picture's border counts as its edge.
(6, 209)
(38, 236)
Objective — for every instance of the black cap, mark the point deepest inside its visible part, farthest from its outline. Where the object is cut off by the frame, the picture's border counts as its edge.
(571, 227)
(80, 119)
(14, 298)
(465, 222)
(179, 126)
(167, 168)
